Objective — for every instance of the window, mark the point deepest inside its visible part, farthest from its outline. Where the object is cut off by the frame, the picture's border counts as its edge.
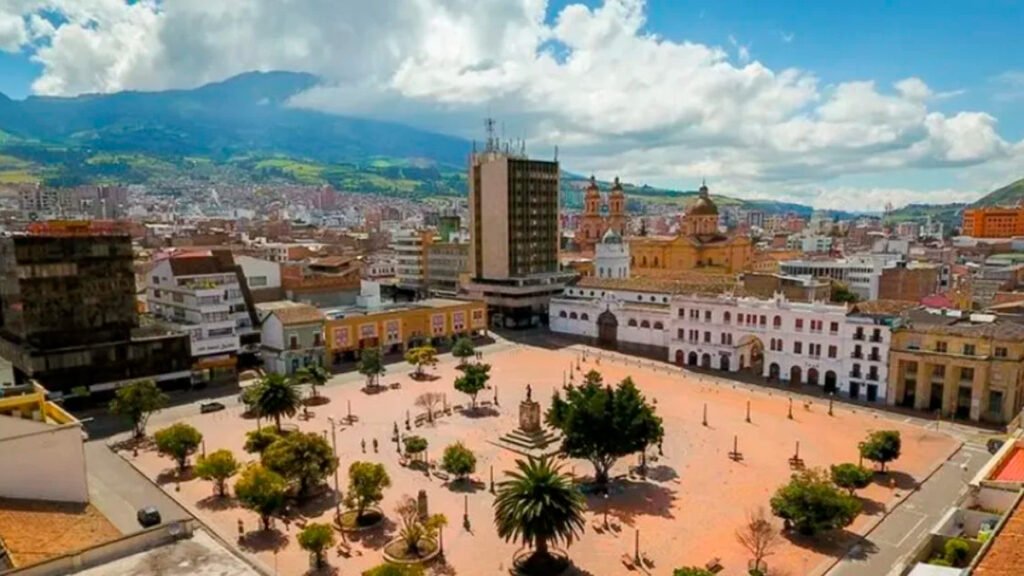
(293, 342)
(562, 314)
(968, 349)
(645, 324)
(940, 346)
(832, 351)
(257, 281)
(680, 334)
(799, 324)
(653, 299)
(814, 350)
(938, 371)
(833, 327)
(659, 326)
(707, 315)
(876, 335)
(777, 322)
(967, 374)
(798, 347)
(584, 316)
(995, 403)
(155, 279)
(682, 312)
(318, 340)
(1000, 352)
(573, 316)
(764, 321)
(726, 317)
(631, 323)
(707, 337)
(855, 373)
(910, 367)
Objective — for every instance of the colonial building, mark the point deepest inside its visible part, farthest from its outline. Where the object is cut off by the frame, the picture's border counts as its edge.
(700, 245)
(599, 217)
(292, 336)
(814, 343)
(611, 256)
(971, 370)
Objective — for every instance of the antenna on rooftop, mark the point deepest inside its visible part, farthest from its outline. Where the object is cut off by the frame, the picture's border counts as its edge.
(556, 153)
(491, 139)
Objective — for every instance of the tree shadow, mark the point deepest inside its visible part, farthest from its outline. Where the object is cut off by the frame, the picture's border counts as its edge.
(466, 486)
(424, 377)
(377, 537)
(661, 473)
(263, 540)
(870, 507)
(630, 500)
(316, 400)
(835, 543)
(315, 505)
(862, 550)
(442, 568)
(326, 570)
(481, 412)
(217, 503)
(171, 476)
(143, 444)
(902, 480)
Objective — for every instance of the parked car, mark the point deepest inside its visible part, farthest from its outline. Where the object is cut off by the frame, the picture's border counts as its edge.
(148, 516)
(210, 407)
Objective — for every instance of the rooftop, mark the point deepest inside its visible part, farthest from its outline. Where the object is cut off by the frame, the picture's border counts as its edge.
(883, 307)
(1005, 557)
(33, 531)
(199, 555)
(390, 307)
(292, 313)
(684, 283)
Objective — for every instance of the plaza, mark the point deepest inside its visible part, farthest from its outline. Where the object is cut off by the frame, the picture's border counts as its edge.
(685, 513)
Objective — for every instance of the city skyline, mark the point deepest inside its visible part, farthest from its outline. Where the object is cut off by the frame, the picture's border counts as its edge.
(913, 103)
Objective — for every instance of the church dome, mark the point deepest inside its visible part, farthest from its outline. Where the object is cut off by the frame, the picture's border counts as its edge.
(611, 237)
(704, 206)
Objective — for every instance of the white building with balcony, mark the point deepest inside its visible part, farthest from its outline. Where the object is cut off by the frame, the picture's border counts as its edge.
(817, 344)
(205, 295)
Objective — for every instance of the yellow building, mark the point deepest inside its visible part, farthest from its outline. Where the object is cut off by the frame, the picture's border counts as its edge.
(33, 405)
(967, 371)
(698, 246)
(398, 327)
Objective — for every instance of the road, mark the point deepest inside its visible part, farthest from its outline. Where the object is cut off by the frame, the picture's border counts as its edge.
(885, 549)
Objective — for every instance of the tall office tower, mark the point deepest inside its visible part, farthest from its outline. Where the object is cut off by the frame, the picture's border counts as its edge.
(514, 226)
(68, 316)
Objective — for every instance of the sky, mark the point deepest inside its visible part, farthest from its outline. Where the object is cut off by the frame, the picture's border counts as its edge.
(833, 104)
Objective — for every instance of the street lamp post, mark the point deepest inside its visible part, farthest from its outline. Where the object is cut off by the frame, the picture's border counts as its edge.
(337, 490)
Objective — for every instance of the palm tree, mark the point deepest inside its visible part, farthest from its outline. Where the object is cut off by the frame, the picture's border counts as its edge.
(538, 505)
(277, 396)
(314, 375)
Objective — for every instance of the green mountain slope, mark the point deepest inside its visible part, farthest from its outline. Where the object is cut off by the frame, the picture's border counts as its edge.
(1009, 195)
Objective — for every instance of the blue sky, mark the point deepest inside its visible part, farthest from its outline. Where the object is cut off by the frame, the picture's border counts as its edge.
(615, 101)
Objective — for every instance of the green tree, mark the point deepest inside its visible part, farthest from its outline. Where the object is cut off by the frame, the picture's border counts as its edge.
(366, 484)
(303, 458)
(277, 396)
(179, 441)
(850, 477)
(371, 365)
(262, 491)
(956, 551)
(463, 349)
(317, 538)
(257, 441)
(458, 461)
(602, 424)
(812, 504)
(218, 467)
(415, 445)
(313, 375)
(841, 294)
(395, 570)
(538, 505)
(474, 379)
(421, 356)
(137, 402)
(692, 571)
(882, 446)
(415, 530)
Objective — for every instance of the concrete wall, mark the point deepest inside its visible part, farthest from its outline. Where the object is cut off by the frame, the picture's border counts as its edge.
(494, 208)
(42, 461)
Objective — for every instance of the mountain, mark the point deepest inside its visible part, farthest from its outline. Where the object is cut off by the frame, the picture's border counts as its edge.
(244, 115)
(1009, 195)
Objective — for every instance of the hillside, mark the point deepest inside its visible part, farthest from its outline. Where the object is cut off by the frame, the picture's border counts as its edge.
(1009, 195)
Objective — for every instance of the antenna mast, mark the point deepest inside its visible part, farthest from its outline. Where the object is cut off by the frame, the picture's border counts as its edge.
(492, 143)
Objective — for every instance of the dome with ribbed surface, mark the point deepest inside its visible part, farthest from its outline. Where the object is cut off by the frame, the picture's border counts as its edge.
(611, 237)
(704, 206)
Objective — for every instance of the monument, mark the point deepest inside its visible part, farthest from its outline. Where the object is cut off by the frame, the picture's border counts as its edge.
(530, 438)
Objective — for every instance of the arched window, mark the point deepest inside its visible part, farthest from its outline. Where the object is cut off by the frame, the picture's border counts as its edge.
(777, 322)
(659, 326)
(584, 316)
(631, 323)
(726, 317)
(645, 324)
(653, 299)
(655, 261)
(562, 314)
(643, 262)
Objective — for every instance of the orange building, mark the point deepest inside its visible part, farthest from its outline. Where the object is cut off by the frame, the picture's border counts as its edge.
(593, 223)
(994, 222)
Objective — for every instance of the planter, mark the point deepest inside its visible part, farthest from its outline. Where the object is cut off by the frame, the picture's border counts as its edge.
(524, 563)
(395, 552)
(372, 519)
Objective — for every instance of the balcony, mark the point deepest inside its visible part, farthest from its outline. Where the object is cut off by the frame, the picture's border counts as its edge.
(875, 357)
(857, 355)
(873, 376)
(858, 336)
(876, 338)
(855, 374)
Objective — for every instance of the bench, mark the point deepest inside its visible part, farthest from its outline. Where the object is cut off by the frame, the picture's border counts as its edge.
(714, 565)
(627, 561)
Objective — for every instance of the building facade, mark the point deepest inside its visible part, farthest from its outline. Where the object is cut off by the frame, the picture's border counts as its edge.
(514, 230)
(410, 248)
(599, 217)
(395, 328)
(446, 263)
(68, 315)
(205, 294)
(292, 336)
(968, 371)
(993, 222)
(699, 246)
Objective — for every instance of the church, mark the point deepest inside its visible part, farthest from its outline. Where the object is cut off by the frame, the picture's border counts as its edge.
(599, 217)
(699, 245)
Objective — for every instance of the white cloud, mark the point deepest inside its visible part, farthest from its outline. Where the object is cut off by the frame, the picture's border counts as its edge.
(616, 98)
(12, 31)
(1009, 86)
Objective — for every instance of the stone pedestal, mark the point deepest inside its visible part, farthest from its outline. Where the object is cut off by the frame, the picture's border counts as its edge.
(529, 416)
(421, 505)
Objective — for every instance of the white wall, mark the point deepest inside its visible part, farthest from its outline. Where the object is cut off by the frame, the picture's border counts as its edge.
(272, 334)
(41, 461)
(256, 267)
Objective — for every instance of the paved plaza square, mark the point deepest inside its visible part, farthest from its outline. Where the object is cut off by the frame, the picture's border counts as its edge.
(687, 511)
